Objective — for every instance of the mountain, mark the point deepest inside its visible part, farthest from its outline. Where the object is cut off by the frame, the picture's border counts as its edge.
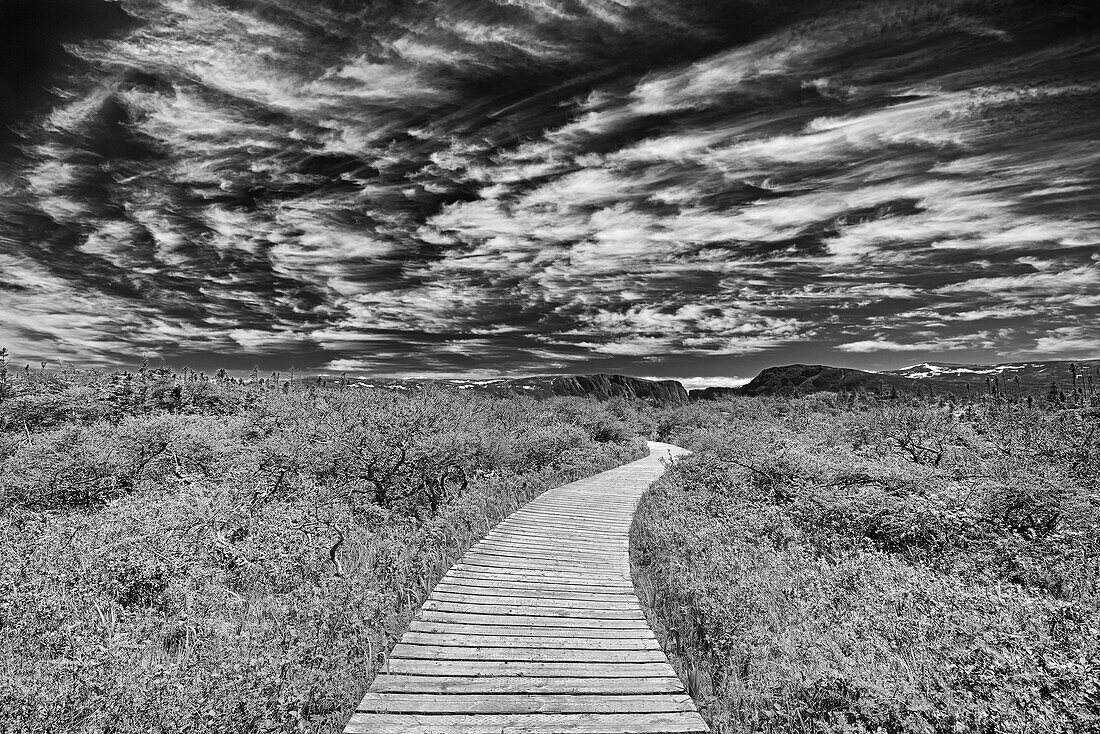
(713, 393)
(936, 378)
(802, 379)
(599, 386)
(1012, 377)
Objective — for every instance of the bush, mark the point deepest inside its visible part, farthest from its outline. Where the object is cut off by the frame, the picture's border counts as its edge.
(885, 569)
(237, 559)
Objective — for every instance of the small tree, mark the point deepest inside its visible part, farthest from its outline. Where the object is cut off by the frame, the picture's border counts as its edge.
(5, 388)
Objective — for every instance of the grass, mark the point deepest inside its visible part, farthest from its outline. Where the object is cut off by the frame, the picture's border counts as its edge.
(184, 554)
(180, 555)
(899, 568)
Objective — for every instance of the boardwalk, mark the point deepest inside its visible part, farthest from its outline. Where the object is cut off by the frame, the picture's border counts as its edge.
(536, 630)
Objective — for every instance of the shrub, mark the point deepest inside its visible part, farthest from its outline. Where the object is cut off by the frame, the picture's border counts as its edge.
(888, 569)
(240, 559)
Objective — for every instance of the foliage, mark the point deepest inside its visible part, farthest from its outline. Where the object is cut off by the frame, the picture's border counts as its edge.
(884, 568)
(181, 553)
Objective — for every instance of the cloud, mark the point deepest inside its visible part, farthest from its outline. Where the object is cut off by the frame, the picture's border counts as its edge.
(700, 383)
(1067, 341)
(941, 344)
(541, 184)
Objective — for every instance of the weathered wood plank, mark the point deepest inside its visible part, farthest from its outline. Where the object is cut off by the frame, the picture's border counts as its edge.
(514, 563)
(473, 703)
(548, 630)
(532, 601)
(594, 532)
(513, 590)
(500, 582)
(527, 620)
(388, 683)
(475, 668)
(617, 545)
(513, 641)
(642, 723)
(538, 549)
(529, 610)
(542, 542)
(406, 650)
(550, 574)
(550, 561)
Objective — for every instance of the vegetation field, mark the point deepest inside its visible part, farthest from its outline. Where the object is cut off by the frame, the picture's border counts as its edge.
(180, 554)
(819, 566)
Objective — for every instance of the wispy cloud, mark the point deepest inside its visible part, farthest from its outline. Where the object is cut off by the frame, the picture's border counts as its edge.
(552, 184)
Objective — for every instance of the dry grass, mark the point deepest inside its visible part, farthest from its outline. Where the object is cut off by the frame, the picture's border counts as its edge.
(243, 560)
(884, 569)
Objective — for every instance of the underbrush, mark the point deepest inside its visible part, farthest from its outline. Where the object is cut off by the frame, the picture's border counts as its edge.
(240, 558)
(888, 568)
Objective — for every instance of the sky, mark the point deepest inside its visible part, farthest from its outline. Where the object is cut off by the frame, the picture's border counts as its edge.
(666, 188)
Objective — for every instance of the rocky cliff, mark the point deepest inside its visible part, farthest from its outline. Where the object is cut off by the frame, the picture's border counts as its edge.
(600, 386)
(713, 393)
(802, 379)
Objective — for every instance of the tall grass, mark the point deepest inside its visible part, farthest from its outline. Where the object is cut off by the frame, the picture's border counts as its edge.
(233, 558)
(897, 568)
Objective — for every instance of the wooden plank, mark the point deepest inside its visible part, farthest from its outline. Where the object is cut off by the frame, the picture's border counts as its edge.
(496, 589)
(561, 643)
(527, 620)
(548, 630)
(480, 600)
(530, 610)
(511, 581)
(549, 574)
(531, 530)
(600, 530)
(475, 668)
(618, 545)
(642, 723)
(562, 559)
(474, 557)
(486, 685)
(584, 516)
(578, 516)
(410, 651)
(546, 542)
(618, 586)
(546, 549)
(528, 578)
(595, 531)
(547, 553)
(484, 560)
(521, 568)
(511, 703)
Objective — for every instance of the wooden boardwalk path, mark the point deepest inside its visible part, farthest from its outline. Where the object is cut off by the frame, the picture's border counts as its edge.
(537, 630)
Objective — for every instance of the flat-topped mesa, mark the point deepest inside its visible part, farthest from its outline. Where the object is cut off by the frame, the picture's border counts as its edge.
(600, 386)
(803, 379)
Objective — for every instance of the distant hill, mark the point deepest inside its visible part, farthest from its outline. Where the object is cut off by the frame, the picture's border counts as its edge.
(600, 386)
(1011, 379)
(1024, 377)
(802, 379)
(713, 393)
(939, 378)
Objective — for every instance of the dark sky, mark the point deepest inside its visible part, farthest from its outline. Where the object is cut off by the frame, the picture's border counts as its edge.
(683, 188)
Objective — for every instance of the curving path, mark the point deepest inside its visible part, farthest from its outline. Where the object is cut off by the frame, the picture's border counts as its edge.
(537, 630)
